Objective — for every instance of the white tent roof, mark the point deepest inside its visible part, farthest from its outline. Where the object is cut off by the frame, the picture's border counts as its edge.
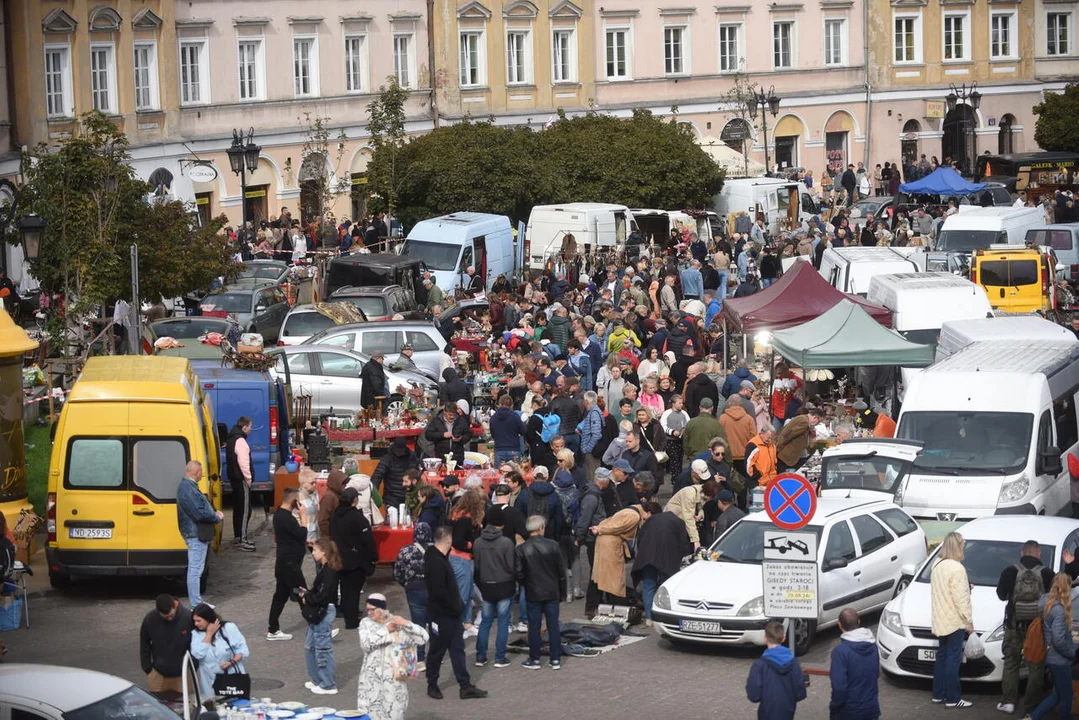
(730, 159)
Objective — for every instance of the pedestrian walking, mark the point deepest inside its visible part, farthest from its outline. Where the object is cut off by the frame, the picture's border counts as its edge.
(541, 570)
(776, 680)
(238, 471)
(408, 571)
(1056, 613)
(381, 694)
(351, 531)
(661, 545)
(217, 645)
(198, 524)
(854, 671)
(318, 606)
(164, 639)
(291, 539)
(466, 521)
(951, 620)
(495, 574)
(1021, 587)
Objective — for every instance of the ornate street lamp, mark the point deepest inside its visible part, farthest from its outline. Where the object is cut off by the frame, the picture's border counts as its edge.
(765, 102)
(32, 229)
(243, 158)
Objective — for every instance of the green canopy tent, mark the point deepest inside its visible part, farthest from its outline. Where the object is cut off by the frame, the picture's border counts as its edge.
(847, 336)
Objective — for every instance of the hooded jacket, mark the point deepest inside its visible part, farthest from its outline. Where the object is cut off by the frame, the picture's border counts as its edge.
(494, 564)
(542, 491)
(408, 568)
(443, 598)
(777, 682)
(854, 671)
(355, 541)
(760, 461)
(507, 429)
(592, 512)
(793, 439)
(390, 473)
(335, 483)
(373, 383)
(734, 381)
(452, 389)
(697, 389)
(434, 511)
(1059, 646)
(740, 429)
(558, 331)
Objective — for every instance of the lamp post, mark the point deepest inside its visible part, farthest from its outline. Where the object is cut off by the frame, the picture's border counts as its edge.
(765, 102)
(243, 158)
(963, 95)
(32, 228)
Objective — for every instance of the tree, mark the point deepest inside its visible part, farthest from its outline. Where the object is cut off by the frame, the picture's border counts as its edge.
(386, 124)
(1056, 128)
(322, 186)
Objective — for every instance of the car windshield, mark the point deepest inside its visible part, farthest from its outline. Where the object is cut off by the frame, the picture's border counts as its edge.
(969, 240)
(131, 704)
(744, 543)
(438, 256)
(230, 302)
(985, 559)
(263, 272)
(969, 441)
(373, 306)
(190, 329)
(306, 324)
(862, 473)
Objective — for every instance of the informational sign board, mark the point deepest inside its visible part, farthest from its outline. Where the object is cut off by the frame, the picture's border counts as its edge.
(790, 589)
(790, 546)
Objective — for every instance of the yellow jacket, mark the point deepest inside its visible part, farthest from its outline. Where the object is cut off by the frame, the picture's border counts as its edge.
(951, 597)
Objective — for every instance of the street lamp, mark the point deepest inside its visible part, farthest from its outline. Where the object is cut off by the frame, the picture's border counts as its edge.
(963, 95)
(765, 102)
(32, 228)
(243, 158)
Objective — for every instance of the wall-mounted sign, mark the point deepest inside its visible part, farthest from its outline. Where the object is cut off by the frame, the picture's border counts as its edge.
(934, 108)
(202, 173)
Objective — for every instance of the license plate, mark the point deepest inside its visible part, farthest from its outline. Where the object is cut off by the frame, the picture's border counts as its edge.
(927, 654)
(90, 533)
(700, 626)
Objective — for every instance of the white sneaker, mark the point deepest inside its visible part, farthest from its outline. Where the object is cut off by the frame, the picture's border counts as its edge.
(521, 627)
(335, 632)
(1006, 707)
(471, 632)
(278, 636)
(310, 685)
(578, 593)
(323, 691)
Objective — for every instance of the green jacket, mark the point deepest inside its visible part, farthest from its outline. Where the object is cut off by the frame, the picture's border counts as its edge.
(699, 432)
(434, 297)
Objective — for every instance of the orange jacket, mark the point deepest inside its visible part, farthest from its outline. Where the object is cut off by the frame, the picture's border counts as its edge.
(884, 427)
(760, 461)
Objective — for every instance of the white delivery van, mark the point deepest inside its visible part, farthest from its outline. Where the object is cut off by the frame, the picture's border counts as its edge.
(449, 244)
(773, 196)
(922, 302)
(593, 225)
(849, 269)
(958, 334)
(976, 228)
(656, 225)
(996, 421)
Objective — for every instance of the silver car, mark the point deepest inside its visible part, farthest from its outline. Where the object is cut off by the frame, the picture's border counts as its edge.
(257, 308)
(388, 338)
(331, 376)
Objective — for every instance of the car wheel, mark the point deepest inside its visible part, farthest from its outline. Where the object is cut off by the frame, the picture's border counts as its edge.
(804, 630)
(59, 579)
(901, 585)
(396, 405)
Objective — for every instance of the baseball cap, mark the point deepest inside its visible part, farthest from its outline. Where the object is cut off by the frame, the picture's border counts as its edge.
(540, 470)
(707, 403)
(725, 496)
(624, 466)
(701, 468)
(602, 473)
(495, 516)
(348, 496)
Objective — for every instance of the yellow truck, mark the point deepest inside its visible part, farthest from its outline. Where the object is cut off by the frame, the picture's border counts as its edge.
(1017, 279)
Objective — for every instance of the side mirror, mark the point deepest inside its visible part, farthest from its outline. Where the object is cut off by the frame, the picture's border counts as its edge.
(222, 434)
(260, 308)
(834, 564)
(906, 570)
(1049, 462)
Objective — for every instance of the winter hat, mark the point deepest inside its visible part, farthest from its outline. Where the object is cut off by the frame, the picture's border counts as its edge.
(495, 516)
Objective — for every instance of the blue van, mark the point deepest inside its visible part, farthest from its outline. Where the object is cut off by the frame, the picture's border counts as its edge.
(257, 395)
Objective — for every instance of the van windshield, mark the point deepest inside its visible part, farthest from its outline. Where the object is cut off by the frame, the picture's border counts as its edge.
(969, 441)
(969, 240)
(438, 256)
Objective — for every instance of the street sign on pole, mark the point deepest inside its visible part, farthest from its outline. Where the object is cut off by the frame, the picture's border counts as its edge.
(790, 501)
(792, 546)
(790, 589)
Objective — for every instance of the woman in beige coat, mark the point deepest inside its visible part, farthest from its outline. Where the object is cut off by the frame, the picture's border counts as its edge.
(688, 504)
(951, 619)
(612, 551)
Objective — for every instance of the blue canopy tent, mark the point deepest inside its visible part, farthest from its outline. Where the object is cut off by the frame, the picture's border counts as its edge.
(942, 181)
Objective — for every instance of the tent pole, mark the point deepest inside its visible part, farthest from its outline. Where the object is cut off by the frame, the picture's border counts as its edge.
(726, 346)
(772, 384)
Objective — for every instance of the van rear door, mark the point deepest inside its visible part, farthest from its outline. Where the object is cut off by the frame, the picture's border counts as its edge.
(92, 509)
(251, 400)
(153, 533)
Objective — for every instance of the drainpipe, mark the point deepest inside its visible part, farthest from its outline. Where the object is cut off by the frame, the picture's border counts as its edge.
(868, 87)
(431, 59)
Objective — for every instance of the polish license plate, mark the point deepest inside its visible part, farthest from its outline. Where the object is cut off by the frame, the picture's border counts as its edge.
(90, 533)
(700, 626)
(927, 654)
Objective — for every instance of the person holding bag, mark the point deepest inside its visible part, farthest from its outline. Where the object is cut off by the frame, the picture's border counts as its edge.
(221, 650)
(318, 609)
(1056, 614)
(385, 640)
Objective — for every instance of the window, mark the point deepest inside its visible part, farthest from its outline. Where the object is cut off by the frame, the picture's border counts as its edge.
(194, 73)
(402, 60)
(298, 363)
(840, 544)
(782, 39)
(898, 521)
(834, 30)
(354, 63)
(250, 66)
(95, 463)
(617, 54)
(674, 50)
(19, 714)
(376, 341)
(565, 56)
(154, 464)
(908, 39)
(471, 59)
(1001, 43)
(955, 37)
(871, 535)
(1045, 432)
(145, 64)
(345, 340)
(305, 66)
(58, 81)
(729, 60)
(1058, 33)
(517, 58)
(1064, 416)
(103, 78)
(339, 365)
(421, 342)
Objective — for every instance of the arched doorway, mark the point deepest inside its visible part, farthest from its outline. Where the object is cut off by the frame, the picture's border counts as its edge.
(908, 147)
(314, 187)
(736, 133)
(837, 134)
(959, 141)
(1005, 138)
(786, 134)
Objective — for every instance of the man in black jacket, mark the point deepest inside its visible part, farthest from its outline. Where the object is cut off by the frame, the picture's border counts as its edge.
(374, 383)
(661, 544)
(164, 639)
(452, 389)
(352, 533)
(291, 539)
(542, 572)
(496, 573)
(444, 618)
(448, 432)
(390, 473)
(849, 181)
(698, 387)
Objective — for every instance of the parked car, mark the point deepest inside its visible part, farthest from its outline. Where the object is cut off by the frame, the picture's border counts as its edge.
(275, 271)
(475, 307)
(302, 322)
(257, 308)
(381, 303)
(874, 206)
(907, 644)
(865, 544)
(331, 376)
(388, 337)
(53, 692)
(187, 331)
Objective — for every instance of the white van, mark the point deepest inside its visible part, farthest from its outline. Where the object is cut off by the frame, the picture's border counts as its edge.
(656, 225)
(922, 302)
(958, 334)
(996, 422)
(449, 244)
(593, 225)
(849, 269)
(976, 228)
(773, 196)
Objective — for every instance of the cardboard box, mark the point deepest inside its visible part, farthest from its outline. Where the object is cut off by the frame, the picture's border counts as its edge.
(248, 348)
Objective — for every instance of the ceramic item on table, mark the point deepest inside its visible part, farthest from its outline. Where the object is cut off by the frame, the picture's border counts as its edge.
(281, 714)
(308, 716)
(291, 705)
(349, 714)
(324, 711)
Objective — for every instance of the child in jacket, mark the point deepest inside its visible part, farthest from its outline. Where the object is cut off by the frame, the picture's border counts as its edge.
(776, 680)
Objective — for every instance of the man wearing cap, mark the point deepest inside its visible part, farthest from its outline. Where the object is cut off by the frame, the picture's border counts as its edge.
(697, 472)
(434, 293)
(622, 475)
(701, 429)
(373, 382)
(592, 513)
(405, 361)
(729, 513)
(638, 455)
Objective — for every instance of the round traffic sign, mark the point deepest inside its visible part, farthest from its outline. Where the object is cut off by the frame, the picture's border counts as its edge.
(790, 501)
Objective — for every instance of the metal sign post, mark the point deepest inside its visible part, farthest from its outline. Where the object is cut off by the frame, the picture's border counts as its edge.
(790, 557)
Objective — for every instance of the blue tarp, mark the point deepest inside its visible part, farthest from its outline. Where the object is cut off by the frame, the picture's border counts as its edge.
(942, 181)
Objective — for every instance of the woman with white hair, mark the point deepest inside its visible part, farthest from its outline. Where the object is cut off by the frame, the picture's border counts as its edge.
(382, 695)
(952, 621)
(366, 503)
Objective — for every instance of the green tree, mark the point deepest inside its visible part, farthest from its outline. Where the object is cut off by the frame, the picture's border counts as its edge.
(386, 124)
(1056, 128)
(318, 145)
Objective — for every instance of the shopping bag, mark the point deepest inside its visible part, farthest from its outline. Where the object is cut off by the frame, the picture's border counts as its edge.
(974, 648)
(10, 614)
(405, 665)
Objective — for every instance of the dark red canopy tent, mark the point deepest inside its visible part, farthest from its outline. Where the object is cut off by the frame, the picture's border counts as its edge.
(801, 295)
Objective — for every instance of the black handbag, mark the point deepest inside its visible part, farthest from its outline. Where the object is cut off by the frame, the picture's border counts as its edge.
(232, 685)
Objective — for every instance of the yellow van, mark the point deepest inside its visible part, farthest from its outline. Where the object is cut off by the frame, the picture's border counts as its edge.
(1016, 279)
(130, 425)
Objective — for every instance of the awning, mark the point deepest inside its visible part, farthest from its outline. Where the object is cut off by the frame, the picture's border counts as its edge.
(733, 162)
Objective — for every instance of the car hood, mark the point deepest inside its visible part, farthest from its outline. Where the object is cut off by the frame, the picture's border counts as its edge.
(406, 376)
(725, 582)
(914, 606)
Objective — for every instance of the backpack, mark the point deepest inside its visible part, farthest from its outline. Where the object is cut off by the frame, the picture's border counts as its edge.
(551, 423)
(571, 506)
(1034, 643)
(541, 505)
(1028, 591)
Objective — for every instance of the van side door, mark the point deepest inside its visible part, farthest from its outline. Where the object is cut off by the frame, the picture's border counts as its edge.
(1067, 431)
(1057, 488)
(153, 533)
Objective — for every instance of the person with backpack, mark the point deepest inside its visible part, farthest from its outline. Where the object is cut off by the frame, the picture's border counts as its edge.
(1021, 587)
(495, 575)
(1055, 612)
(569, 497)
(544, 501)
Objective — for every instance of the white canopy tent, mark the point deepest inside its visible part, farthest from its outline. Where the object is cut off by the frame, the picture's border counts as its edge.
(730, 159)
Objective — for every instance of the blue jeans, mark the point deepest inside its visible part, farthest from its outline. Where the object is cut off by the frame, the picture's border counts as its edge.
(417, 611)
(723, 274)
(522, 607)
(766, 282)
(1062, 695)
(651, 579)
(502, 456)
(462, 573)
(196, 563)
(318, 651)
(502, 632)
(946, 667)
(537, 611)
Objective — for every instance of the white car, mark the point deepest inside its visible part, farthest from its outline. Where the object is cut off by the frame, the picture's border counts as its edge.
(907, 645)
(302, 322)
(51, 692)
(863, 544)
